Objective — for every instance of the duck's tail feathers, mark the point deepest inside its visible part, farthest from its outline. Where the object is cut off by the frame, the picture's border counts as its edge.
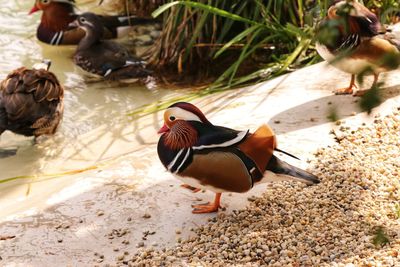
(290, 172)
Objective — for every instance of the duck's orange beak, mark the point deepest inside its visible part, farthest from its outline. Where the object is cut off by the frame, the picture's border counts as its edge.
(163, 129)
(34, 9)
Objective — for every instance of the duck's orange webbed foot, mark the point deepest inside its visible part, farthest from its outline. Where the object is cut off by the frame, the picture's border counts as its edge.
(207, 207)
(347, 90)
(191, 188)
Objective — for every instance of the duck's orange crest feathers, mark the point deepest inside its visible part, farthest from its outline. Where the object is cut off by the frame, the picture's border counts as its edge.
(260, 146)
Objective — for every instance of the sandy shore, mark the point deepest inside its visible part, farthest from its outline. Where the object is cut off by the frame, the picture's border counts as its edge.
(132, 205)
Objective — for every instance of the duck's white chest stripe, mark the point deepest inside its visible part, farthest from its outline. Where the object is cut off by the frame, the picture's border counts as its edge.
(57, 38)
(169, 167)
(240, 136)
(183, 161)
(178, 161)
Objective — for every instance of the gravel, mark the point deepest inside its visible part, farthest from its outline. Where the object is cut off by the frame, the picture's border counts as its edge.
(335, 223)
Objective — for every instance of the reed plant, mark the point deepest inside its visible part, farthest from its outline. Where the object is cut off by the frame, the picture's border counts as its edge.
(234, 43)
(237, 42)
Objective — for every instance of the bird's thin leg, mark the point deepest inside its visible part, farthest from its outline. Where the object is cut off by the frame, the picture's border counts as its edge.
(191, 188)
(348, 90)
(207, 208)
(362, 92)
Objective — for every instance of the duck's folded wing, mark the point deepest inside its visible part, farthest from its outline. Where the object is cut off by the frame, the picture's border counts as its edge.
(212, 136)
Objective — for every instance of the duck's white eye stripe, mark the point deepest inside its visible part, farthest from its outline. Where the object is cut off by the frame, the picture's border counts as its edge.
(184, 114)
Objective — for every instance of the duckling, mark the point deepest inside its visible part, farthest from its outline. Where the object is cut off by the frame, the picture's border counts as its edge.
(105, 58)
(31, 101)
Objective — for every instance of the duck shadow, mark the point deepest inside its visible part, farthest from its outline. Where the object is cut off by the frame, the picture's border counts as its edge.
(324, 110)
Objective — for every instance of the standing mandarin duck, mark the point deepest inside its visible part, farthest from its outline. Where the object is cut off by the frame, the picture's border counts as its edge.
(54, 28)
(105, 58)
(220, 159)
(359, 44)
(31, 101)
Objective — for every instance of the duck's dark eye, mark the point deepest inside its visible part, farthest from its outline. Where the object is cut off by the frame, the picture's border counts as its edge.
(172, 118)
(82, 20)
(45, 1)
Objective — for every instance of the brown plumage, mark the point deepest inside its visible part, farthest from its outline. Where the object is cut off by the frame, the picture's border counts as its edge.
(220, 159)
(31, 102)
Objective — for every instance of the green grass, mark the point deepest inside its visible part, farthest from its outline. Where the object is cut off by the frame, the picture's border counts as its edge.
(235, 43)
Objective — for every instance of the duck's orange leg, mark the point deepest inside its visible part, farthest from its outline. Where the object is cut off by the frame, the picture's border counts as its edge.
(207, 207)
(362, 92)
(348, 90)
(191, 188)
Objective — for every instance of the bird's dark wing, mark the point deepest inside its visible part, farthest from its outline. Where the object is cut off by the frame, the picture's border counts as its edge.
(212, 136)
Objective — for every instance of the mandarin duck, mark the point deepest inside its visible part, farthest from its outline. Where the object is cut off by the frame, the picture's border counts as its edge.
(359, 43)
(220, 159)
(105, 58)
(31, 101)
(55, 29)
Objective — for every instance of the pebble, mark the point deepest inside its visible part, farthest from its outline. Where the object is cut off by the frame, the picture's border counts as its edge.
(100, 213)
(329, 224)
(146, 216)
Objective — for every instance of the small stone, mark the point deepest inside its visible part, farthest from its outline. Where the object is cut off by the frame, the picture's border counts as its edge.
(146, 216)
(116, 249)
(277, 121)
(178, 231)
(129, 219)
(155, 34)
(120, 257)
(143, 40)
(59, 240)
(140, 244)
(100, 213)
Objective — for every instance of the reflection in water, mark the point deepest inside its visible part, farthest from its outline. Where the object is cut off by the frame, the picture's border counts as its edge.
(95, 126)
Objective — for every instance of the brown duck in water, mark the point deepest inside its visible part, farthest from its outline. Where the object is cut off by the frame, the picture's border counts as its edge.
(105, 58)
(54, 26)
(31, 101)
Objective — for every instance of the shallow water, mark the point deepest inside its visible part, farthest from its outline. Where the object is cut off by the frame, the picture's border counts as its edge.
(95, 127)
